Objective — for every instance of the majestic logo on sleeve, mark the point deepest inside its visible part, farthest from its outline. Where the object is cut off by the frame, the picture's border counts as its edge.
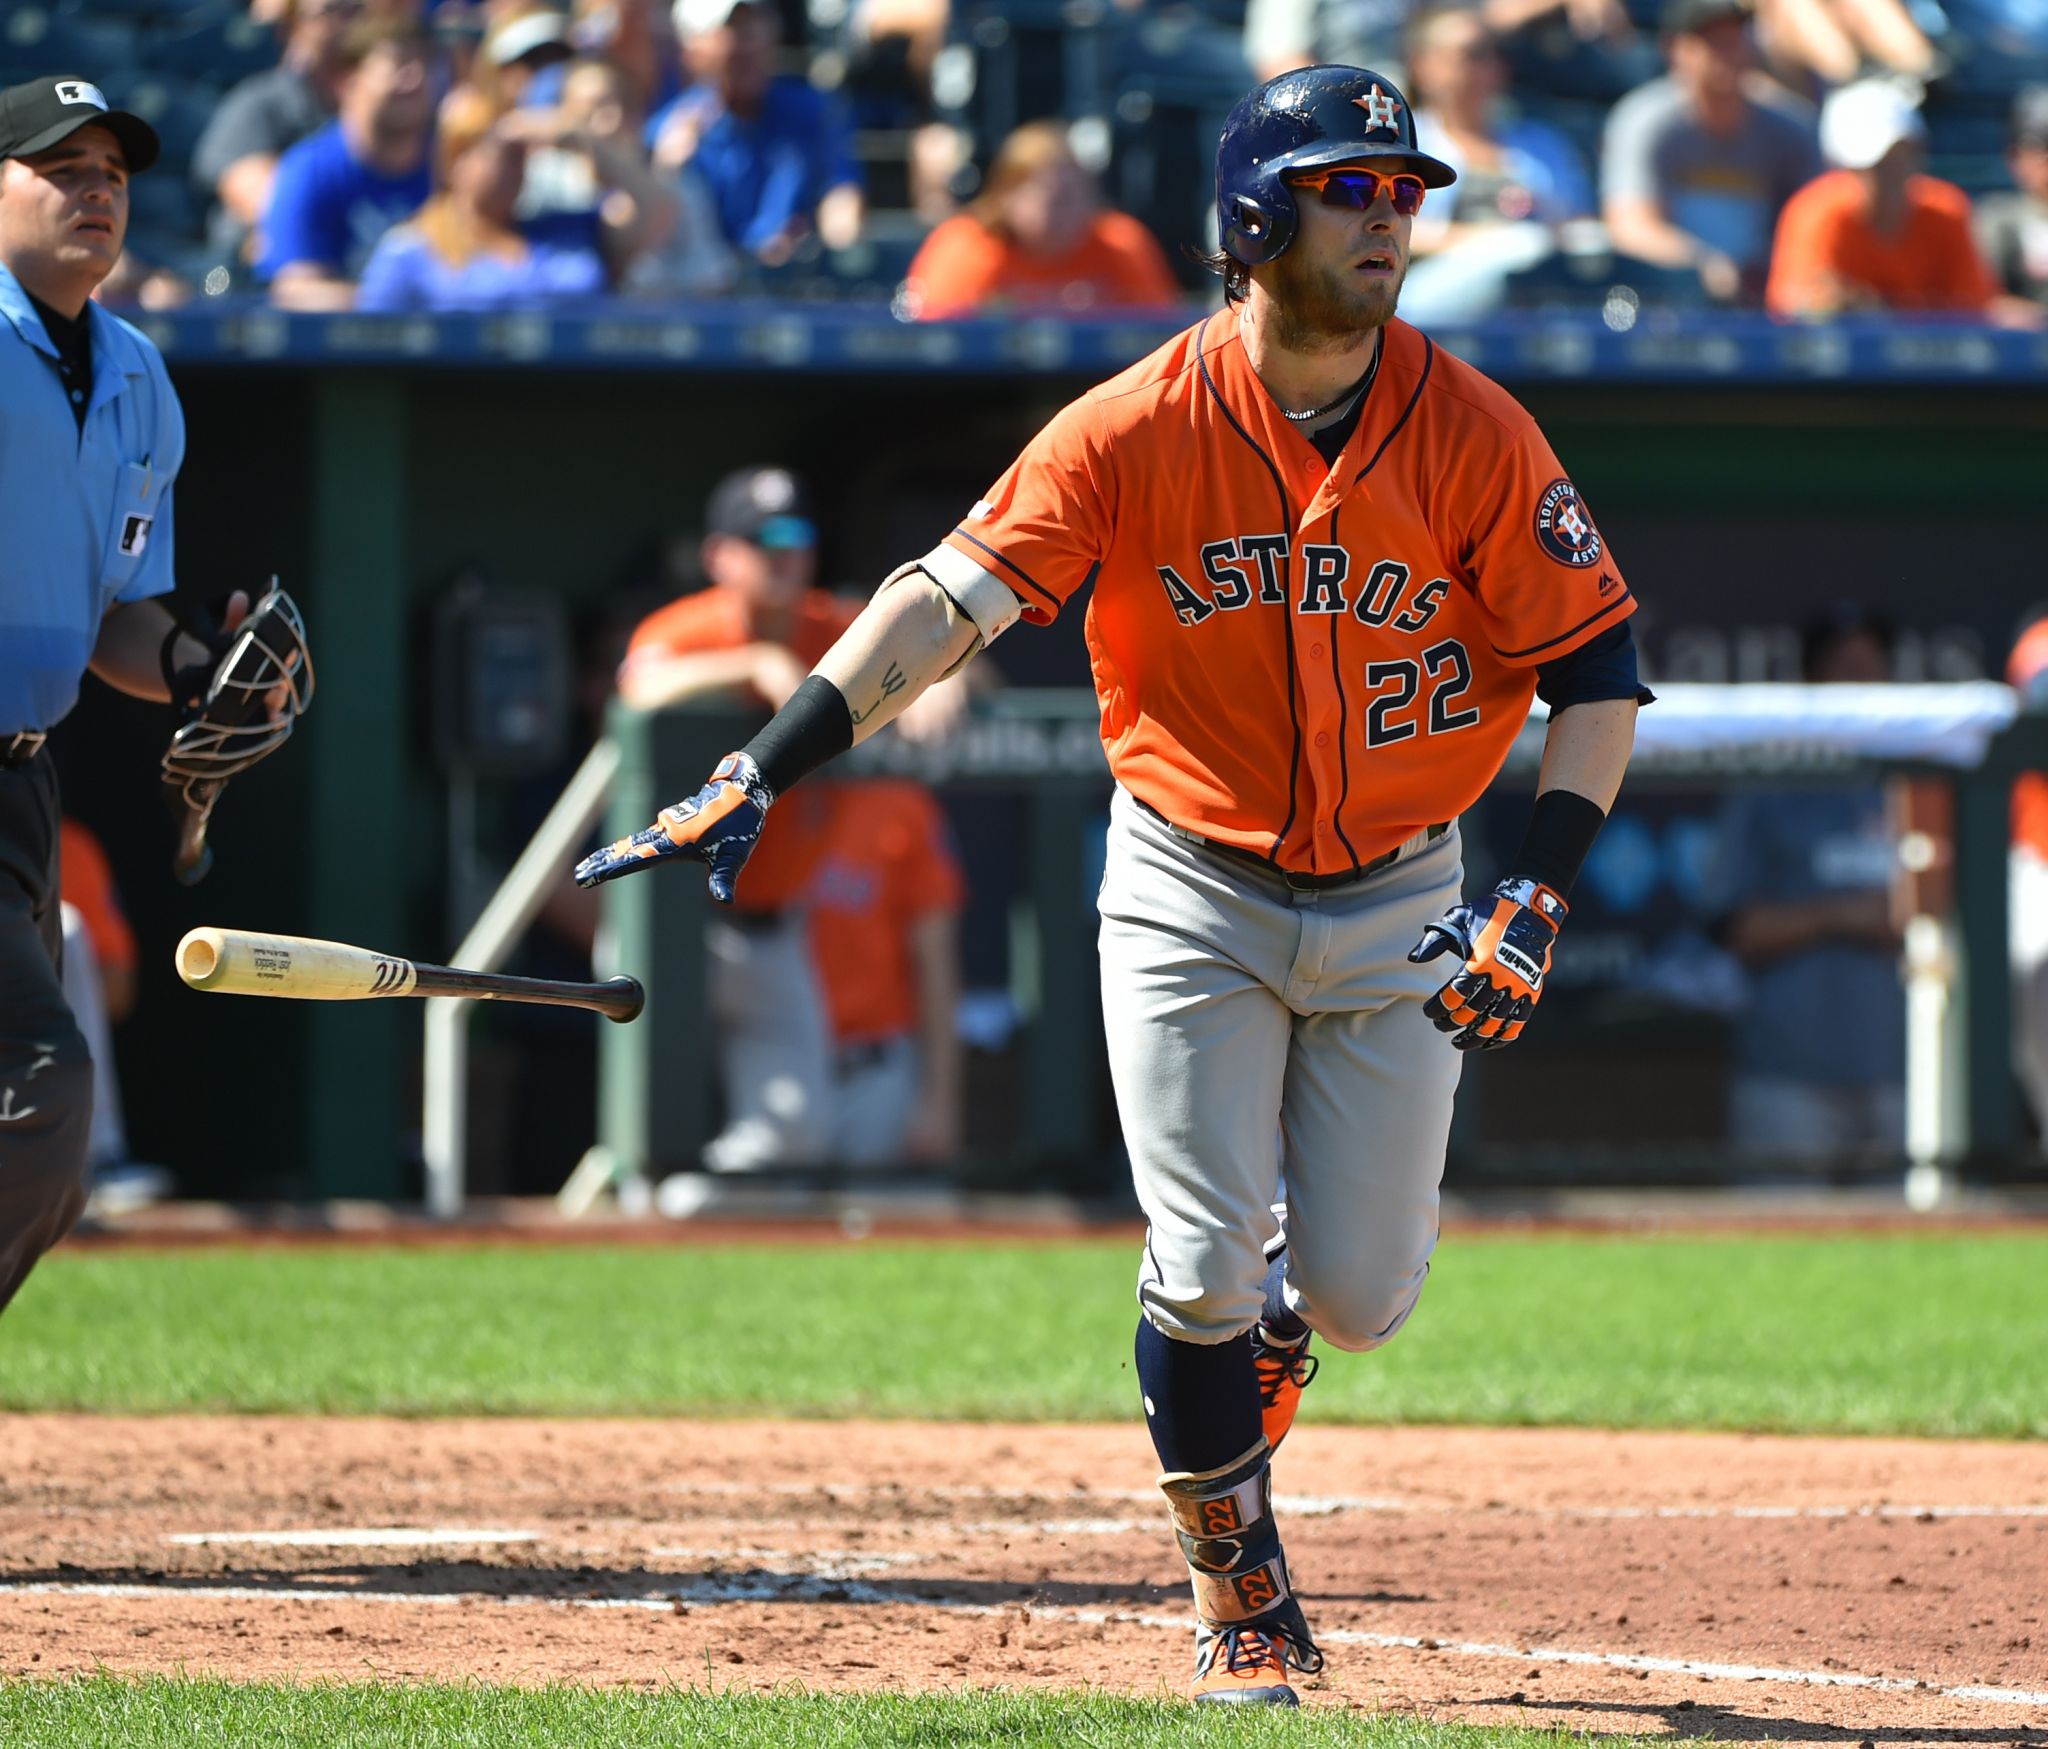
(1382, 108)
(1563, 529)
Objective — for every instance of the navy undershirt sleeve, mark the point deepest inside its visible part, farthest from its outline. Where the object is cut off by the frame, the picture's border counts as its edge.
(1602, 667)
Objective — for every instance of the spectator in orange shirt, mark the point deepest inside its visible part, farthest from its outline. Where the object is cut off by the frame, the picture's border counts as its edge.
(885, 938)
(1874, 233)
(1038, 237)
(750, 638)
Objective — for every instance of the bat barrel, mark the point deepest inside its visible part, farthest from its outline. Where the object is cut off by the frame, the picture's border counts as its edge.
(199, 957)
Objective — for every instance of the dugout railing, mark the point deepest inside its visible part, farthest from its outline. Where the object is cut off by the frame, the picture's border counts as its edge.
(656, 1078)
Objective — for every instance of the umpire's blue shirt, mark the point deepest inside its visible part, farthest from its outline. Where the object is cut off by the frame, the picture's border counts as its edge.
(85, 518)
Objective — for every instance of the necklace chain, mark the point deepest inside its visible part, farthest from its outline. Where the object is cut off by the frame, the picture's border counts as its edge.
(1358, 387)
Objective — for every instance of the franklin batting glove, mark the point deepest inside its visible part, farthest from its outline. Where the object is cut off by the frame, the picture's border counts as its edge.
(719, 825)
(1505, 944)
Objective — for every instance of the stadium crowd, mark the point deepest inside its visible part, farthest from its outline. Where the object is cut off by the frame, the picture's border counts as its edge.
(1808, 157)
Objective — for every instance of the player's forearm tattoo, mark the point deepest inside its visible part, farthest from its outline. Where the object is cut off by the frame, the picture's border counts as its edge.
(894, 680)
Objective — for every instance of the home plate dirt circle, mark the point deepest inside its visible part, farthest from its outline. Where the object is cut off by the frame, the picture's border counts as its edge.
(1745, 1589)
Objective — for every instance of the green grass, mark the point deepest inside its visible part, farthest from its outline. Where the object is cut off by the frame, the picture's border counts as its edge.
(160, 1713)
(1865, 1334)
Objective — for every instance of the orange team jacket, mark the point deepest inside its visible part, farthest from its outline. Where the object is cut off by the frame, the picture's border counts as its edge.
(793, 838)
(963, 265)
(888, 865)
(1307, 662)
(87, 881)
(1825, 234)
(2030, 789)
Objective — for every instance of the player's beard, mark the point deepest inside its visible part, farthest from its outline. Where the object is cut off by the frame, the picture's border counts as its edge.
(1324, 306)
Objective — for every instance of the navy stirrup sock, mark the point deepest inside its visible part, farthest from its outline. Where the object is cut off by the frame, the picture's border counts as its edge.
(1201, 1399)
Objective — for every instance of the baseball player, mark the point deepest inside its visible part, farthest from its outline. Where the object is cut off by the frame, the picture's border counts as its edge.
(884, 915)
(90, 445)
(1329, 568)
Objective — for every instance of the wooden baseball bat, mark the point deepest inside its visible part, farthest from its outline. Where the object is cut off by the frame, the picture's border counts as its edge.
(245, 963)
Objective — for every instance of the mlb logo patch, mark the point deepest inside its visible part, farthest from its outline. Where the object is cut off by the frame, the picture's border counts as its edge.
(134, 534)
(78, 91)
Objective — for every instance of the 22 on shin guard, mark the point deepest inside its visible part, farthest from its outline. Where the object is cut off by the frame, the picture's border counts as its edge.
(1228, 1535)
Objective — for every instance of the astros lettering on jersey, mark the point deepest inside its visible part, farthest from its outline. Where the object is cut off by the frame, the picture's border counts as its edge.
(1400, 601)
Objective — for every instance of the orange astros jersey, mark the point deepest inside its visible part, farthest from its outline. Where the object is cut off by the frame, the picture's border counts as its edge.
(1306, 662)
(2030, 788)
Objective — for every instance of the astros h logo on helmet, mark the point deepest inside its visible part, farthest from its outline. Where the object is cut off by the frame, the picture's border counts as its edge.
(1382, 108)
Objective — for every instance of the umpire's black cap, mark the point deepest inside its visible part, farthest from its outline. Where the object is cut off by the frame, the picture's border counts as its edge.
(44, 112)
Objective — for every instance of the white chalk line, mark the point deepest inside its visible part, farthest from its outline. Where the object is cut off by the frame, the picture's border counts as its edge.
(368, 1537)
(769, 1588)
(818, 1563)
(1329, 1505)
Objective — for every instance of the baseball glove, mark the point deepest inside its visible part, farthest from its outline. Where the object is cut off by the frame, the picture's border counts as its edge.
(719, 825)
(1505, 945)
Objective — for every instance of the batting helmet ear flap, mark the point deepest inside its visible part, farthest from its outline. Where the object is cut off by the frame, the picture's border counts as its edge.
(1258, 231)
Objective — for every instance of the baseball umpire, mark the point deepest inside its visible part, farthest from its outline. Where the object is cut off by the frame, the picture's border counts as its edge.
(91, 437)
(1331, 568)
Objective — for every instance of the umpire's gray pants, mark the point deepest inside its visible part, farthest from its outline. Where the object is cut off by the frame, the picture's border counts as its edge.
(45, 1068)
(1269, 1047)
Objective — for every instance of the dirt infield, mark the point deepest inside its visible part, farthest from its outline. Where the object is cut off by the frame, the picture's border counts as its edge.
(1749, 1589)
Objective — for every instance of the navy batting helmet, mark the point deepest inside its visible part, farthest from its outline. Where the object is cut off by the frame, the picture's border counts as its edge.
(1305, 120)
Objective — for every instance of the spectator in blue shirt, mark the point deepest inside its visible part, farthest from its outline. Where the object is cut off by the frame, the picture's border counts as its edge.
(235, 161)
(776, 157)
(341, 189)
(463, 251)
(1519, 183)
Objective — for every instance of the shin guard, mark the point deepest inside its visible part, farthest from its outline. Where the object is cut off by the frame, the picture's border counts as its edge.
(1231, 1541)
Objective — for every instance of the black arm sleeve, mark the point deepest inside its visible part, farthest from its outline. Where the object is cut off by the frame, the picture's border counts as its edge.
(814, 726)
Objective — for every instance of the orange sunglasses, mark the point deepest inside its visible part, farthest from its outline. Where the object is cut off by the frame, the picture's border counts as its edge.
(1347, 186)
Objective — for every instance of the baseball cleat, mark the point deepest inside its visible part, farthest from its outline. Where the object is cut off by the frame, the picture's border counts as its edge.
(1245, 1663)
(1283, 1373)
(1240, 1666)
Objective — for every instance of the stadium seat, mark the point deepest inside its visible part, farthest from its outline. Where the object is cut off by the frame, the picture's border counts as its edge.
(35, 41)
(1582, 281)
(1176, 82)
(1033, 59)
(165, 204)
(179, 112)
(216, 48)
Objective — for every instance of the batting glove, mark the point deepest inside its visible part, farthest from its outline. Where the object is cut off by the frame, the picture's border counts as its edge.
(719, 825)
(1505, 944)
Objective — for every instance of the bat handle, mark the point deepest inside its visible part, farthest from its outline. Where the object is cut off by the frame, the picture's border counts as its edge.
(625, 999)
(193, 856)
(190, 870)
